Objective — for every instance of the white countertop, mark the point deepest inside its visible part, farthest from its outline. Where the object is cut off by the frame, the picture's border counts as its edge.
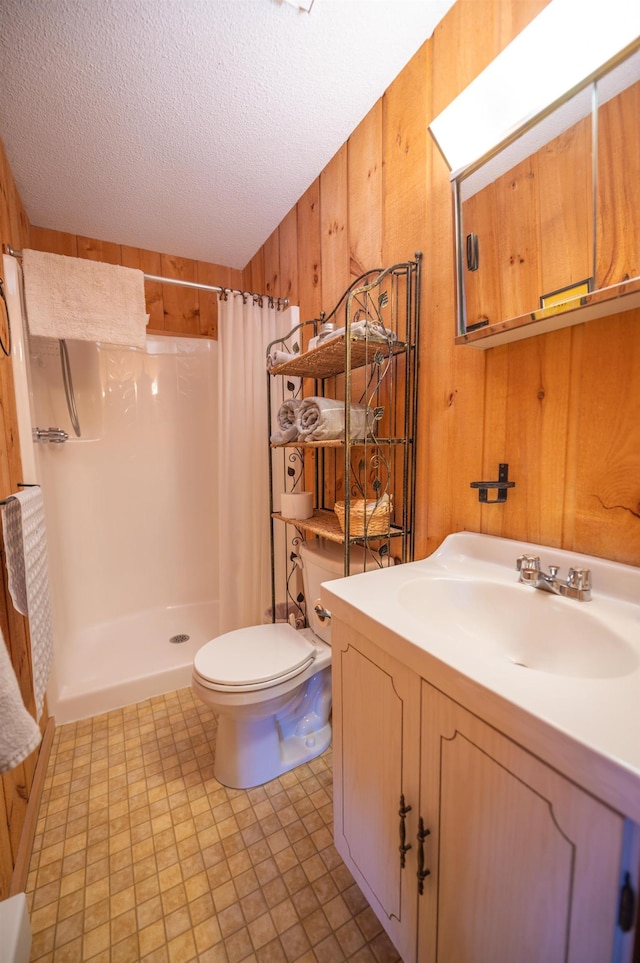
(586, 725)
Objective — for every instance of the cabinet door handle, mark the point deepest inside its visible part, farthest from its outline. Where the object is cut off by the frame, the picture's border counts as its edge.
(404, 846)
(627, 906)
(422, 872)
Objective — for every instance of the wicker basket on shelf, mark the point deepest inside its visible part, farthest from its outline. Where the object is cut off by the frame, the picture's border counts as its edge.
(367, 517)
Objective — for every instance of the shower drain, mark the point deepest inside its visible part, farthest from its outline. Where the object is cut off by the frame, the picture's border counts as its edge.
(175, 639)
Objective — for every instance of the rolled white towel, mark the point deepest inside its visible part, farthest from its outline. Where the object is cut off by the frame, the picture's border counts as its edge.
(286, 418)
(277, 357)
(322, 419)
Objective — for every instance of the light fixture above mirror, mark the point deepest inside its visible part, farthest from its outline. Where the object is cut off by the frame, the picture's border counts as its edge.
(564, 46)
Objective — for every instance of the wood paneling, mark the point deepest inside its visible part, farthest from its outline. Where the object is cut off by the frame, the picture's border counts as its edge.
(564, 199)
(334, 237)
(309, 256)
(405, 113)
(15, 786)
(618, 231)
(289, 258)
(364, 197)
(271, 265)
(541, 405)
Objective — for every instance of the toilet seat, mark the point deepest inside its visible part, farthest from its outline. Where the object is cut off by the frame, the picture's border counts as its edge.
(257, 657)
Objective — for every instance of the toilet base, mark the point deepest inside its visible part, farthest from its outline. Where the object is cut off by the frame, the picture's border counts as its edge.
(250, 752)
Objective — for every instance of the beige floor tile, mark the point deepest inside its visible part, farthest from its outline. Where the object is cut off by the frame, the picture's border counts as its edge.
(141, 856)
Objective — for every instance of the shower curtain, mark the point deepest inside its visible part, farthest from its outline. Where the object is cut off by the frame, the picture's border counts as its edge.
(245, 328)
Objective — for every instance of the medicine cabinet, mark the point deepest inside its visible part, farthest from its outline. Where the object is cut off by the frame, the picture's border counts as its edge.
(548, 224)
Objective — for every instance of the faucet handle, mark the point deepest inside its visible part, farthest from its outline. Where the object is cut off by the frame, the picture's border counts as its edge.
(579, 578)
(528, 563)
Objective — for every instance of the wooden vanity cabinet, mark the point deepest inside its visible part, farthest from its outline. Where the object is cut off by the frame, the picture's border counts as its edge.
(376, 721)
(524, 864)
(520, 865)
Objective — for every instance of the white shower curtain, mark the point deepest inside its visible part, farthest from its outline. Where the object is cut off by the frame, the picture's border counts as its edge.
(244, 331)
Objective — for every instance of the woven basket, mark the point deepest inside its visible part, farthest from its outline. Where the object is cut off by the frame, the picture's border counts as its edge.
(377, 515)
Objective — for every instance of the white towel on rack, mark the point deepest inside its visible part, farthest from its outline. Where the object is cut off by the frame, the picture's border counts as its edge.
(71, 297)
(322, 419)
(25, 543)
(19, 734)
(286, 418)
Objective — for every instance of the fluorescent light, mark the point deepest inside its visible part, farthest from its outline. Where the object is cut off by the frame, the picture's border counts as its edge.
(561, 47)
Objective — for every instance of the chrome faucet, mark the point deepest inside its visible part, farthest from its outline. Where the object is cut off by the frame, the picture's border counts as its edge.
(55, 435)
(577, 585)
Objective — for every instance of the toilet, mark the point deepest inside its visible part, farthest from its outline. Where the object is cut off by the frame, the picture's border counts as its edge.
(270, 685)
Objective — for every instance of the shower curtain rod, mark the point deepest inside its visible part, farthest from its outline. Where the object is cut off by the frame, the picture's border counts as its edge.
(279, 302)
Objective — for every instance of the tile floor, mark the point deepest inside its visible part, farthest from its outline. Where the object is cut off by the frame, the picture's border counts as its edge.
(141, 855)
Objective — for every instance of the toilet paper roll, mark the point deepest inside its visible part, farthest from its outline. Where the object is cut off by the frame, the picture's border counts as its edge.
(296, 504)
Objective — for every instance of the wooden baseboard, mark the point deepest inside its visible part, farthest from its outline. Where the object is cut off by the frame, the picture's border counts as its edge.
(23, 856)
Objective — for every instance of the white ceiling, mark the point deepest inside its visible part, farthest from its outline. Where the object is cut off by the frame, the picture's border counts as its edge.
(189, 126)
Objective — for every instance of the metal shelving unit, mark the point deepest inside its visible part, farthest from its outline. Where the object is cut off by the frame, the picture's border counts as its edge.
(371, 360)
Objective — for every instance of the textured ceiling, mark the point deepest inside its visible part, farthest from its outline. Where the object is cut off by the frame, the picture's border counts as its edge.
(189, 126)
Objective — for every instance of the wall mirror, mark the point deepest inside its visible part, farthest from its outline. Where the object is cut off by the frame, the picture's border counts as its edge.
(548, 223)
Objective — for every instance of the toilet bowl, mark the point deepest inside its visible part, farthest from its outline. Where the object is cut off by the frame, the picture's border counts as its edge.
(270, 685)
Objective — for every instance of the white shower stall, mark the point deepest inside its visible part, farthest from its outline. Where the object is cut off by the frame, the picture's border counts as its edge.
(130, 507)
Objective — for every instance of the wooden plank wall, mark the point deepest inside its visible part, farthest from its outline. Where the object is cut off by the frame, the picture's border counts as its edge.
(173, 309)
(562, 409)
(16, 785)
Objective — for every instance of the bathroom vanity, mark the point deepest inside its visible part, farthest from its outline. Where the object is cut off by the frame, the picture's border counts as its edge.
(486, 755)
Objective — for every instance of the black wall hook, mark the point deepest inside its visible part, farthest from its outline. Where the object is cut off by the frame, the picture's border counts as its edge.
(502, 484)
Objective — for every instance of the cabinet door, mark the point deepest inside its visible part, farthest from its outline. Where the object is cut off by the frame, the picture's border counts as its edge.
(376, 730)
(524, 864)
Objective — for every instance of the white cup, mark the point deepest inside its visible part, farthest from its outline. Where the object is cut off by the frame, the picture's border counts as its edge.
(296, 504)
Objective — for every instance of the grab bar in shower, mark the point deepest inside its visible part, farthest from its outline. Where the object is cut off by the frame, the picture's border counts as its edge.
(68, 390)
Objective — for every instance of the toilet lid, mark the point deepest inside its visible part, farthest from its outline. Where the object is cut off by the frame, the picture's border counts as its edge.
(254, 657)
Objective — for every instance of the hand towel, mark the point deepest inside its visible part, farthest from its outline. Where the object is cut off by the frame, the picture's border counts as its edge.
(25, 543)
(322, 419)
(19, 734)
(286, 417)
(70, 297)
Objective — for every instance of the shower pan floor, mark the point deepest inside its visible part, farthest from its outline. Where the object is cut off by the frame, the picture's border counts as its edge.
(123, 661)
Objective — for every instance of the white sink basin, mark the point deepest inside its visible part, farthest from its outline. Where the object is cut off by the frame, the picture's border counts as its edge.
(530, 628)
(552, 671)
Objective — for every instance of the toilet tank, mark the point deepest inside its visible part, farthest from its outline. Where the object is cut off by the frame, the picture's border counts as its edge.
(322, 561)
